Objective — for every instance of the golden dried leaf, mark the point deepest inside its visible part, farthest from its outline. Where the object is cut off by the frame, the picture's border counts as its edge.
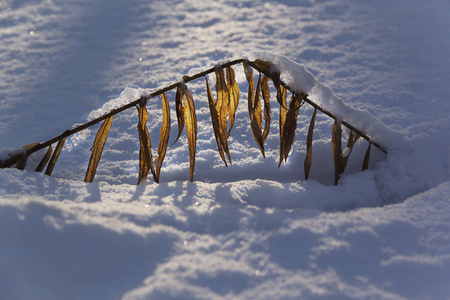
(281, 90)
(164, 134)
(254, 111)
(44, 160)
(291, 124)
(308, 157)
(251, 84)
(191, 126)
(281, 98)
(145, 149)
(257, 110)
(180, 113)
(215, 121)
(222, 105)
(264, 66)
(267, 112)
(337, 151)
(367, 158)
(233, 92)
(55, 156)
(97, 149)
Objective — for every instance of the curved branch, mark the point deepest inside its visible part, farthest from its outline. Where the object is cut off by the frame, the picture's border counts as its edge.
(12, 160)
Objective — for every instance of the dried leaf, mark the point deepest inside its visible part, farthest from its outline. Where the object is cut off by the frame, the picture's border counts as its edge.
(267, 112)
(264, 66)
(44, 160)
(308, 157)
(222, 105)
(291, 124)
(257, 111)
(55, 156)
(21, 163)
(97, 149)
(145, 149)
(281, 98)
(215, 121)
(367, 158)
(337, 151)
(233, 92)
(180, 113)
(254, 110)
(191, 126)
(164, 134)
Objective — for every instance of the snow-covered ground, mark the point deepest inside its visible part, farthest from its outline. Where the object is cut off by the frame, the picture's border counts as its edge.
(250, 231)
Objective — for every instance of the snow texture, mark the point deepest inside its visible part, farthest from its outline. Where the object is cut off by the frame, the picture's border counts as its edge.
(250, 231)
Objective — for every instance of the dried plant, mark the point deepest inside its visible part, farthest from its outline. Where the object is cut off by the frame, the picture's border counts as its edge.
(223, 112)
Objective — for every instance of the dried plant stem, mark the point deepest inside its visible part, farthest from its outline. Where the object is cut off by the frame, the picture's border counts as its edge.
(262, 67)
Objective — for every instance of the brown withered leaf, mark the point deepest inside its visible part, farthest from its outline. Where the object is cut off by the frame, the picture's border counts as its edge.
(191, 126)
(97, 149)
(281, 90)
(253, 111)
(264, 66)
(164, 134)
(337, 151)
(251, 84)
(290, 124)
(233, 92)
(215, 121)
(281, 96)
(21, 163)
(44, 160)
(145, 149)
(267, 112)
(257, 110)
(180, 112)
(309, 139)
(55, 156)
(222, 106)
(367, 158)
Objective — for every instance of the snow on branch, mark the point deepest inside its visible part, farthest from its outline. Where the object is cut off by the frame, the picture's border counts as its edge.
(303, 87)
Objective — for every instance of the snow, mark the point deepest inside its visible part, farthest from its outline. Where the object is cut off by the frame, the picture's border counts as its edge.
(303, 81)
(126, 96)
(250, 231)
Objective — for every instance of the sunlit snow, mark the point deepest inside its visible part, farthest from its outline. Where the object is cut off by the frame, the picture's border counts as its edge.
(252, 230)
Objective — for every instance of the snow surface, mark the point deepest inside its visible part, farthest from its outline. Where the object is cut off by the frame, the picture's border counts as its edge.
(250, 231)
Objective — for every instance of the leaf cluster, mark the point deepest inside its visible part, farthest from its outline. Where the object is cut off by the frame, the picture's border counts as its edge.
(223, 109)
